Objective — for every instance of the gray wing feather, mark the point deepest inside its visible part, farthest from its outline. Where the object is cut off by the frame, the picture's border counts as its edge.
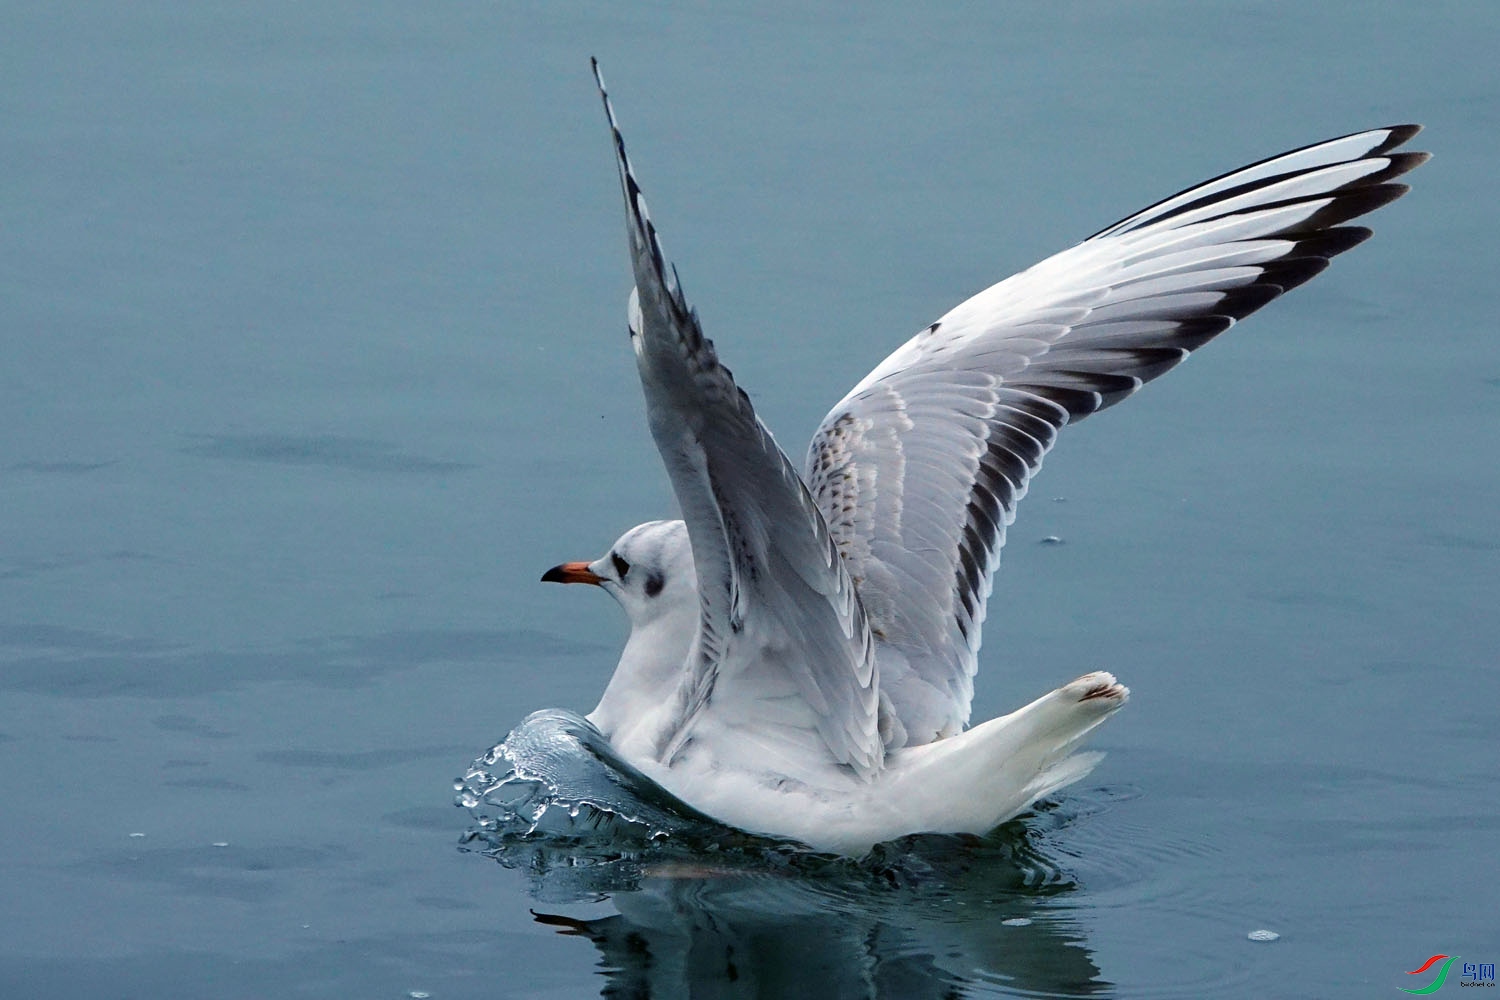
(920, 468)
(783, 638)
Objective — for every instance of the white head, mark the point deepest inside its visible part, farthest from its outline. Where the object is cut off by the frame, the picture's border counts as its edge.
(649, 570)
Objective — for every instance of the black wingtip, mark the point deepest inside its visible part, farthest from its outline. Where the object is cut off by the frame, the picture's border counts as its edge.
(609, 112)
(1399, 136)
(1351, 205)
(1332, 242)
(1290, 272)
(1397, 164)
(1240, 302)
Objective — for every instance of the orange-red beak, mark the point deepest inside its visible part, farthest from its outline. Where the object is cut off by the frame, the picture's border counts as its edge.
(573, 572)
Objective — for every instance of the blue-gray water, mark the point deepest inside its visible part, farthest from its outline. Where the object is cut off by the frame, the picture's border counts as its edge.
(312, 358)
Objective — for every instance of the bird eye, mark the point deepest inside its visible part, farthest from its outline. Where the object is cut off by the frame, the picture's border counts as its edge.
(621, 566)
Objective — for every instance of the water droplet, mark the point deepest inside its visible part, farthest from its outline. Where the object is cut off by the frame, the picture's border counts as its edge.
(1263, 935)
(1052, 540)
(1017, 922)
(417, 994)
(221, 843)
(458, 784)
(135, 836)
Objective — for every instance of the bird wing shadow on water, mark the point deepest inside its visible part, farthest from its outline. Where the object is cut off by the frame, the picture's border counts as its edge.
(701, 909)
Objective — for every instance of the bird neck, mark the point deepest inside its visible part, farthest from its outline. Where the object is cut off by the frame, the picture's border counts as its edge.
(644, 687)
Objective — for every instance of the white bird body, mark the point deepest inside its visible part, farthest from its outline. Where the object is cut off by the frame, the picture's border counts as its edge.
(803, 645)
(967, 783)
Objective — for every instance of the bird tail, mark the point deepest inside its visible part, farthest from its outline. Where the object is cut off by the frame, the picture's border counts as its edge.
(982, 777)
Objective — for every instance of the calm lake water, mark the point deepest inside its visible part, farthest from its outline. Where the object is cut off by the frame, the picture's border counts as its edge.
(314, 358)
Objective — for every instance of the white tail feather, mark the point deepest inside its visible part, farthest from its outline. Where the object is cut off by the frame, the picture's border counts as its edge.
(980, 778)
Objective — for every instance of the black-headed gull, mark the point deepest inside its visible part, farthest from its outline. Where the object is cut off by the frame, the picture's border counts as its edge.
(803, 644)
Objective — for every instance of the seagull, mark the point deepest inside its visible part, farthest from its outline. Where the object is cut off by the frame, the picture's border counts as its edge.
(803, 643)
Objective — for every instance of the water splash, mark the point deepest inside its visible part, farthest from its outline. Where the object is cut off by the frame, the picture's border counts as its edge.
(556, 801)
(556, 776)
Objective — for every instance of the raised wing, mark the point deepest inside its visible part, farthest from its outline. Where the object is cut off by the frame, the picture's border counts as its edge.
(783, 646)
(919, 469)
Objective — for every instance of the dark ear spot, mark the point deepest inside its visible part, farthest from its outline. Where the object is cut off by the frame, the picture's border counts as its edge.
(654, 583)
